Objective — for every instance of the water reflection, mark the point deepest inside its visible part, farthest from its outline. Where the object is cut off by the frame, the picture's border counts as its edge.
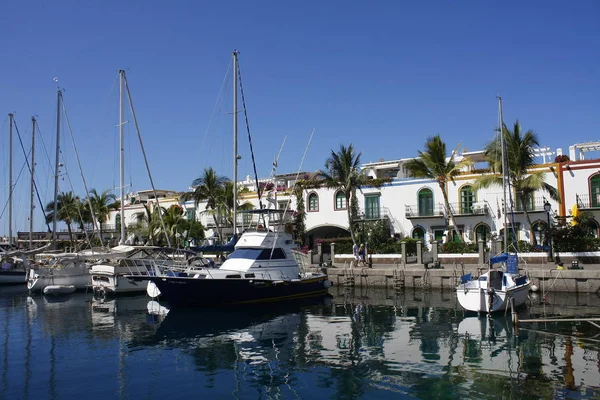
(370, 343)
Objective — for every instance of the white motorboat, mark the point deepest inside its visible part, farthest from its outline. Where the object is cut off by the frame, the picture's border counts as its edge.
(493, 290)
(262, 268)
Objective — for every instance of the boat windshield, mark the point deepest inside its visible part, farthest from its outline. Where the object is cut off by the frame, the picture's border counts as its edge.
(258, 254)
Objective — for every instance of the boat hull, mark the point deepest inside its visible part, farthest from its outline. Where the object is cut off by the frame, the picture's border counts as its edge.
(117, 284)
(13, 277)
(478, 299)
(39, 279)
(194, 292)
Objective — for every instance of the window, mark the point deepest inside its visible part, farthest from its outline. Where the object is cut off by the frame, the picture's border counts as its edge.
(313, 202)
(467, 198)
(258, 254)
(513, 235)
(191, 214)
(529, 203)
(595, 190)
(341, 203)
(372, 207)
(418, 233)
(118, 222)
(482, 232)
(425, 202)
(246, 218)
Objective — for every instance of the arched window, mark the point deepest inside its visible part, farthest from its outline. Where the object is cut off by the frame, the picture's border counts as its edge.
(467, 198)
(118, 222)
(341, 203)
(418, 233)
(595, 190)
(313, 202)
(425, 202)
(482, 232)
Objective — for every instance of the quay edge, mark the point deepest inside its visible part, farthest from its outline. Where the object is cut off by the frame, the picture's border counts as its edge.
(546, 277)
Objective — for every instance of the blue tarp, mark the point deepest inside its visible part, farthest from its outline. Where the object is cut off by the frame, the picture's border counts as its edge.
(512, 265)
(498, 259)
(227, 247)
(465, 278)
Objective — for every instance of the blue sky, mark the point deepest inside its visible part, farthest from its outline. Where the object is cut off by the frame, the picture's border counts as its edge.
(381, 75)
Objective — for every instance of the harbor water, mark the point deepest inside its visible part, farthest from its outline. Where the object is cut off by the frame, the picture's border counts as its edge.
(352, 344)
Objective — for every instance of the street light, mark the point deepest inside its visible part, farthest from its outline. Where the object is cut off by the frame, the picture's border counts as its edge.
(547, 208)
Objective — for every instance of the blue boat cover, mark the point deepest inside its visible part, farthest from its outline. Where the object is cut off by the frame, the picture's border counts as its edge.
(227, 247)
(521, 280)
(498, 259)
(512, 265)
(465, 278)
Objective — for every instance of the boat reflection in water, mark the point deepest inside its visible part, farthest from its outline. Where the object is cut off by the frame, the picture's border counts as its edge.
(350, 344)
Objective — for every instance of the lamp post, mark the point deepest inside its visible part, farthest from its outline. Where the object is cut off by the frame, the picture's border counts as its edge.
(547, 208)
(362, 219)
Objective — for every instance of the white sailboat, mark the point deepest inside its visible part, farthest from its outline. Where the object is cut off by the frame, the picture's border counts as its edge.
(110, 275)
(497, 289)
(58, 273)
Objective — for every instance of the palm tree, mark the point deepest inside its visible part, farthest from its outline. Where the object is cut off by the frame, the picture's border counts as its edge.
(520, 159)
(343, 173)
(433, 163)
(209, 187)
(68, 211)
(102, 205)
(175, 222)
(147, 223)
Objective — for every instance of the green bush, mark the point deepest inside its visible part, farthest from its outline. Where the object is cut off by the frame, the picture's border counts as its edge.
(459, 248)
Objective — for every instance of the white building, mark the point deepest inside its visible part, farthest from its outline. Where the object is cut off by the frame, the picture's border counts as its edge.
(415, 207)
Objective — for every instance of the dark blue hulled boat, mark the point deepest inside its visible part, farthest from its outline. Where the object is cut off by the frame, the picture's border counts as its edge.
(263, 267)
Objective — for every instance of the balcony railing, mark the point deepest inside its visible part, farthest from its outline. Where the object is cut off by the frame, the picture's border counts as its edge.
(413, 211)
(585, 201)
(532, 206)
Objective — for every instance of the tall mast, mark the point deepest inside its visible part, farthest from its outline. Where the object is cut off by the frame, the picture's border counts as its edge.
(235, 144)
(10, 178)
(122, 155)
(31, 185)
(56, 167)
(504, 174)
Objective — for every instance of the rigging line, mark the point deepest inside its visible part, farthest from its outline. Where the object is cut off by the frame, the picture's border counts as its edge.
(217, 107)
(260, 204)
(29, 168)
(85, 186)
(137, 128)
(287, 206)
(15, 182)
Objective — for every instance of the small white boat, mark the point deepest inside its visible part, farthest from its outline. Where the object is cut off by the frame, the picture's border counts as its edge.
(493, 290)
(59, 289)
(65, 269)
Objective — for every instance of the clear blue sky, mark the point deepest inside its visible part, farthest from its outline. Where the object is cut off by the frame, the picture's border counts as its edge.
(382, 75)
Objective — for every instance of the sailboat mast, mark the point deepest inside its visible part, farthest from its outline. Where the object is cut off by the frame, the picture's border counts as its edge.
(31, 184)
(235, 144)
(504, 174)
(56, 167)
(10, 178)
(122, 155)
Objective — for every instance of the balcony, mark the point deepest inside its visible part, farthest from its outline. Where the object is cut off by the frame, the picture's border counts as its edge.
(534, 205)
(413, 211)
(585, 201)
